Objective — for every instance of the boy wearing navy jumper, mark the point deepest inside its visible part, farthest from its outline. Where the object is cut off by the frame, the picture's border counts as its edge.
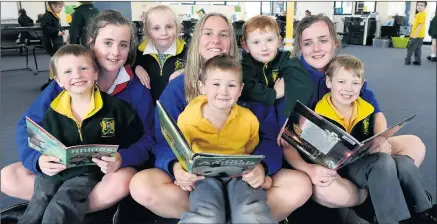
(78, 116)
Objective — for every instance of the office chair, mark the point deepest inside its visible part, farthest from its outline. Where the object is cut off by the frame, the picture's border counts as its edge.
(346, 35)
(238, 28)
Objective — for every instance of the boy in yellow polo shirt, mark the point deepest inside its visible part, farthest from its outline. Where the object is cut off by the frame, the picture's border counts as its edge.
(417, 35)
(214, 123)
(389, 179)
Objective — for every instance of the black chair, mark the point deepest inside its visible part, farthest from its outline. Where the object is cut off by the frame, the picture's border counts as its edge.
(238, 29)
(139, 26)
(346, 35)
(281, 25)
(9, 42)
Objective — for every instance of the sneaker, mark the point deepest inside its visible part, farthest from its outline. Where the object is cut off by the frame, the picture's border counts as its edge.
(13, 214)
(417, 63)
(433, 59)
(407, 63)
(427, 216)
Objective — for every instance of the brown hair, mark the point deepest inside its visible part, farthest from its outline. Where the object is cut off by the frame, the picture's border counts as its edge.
(195, 60)
(262, 22)
(111, 17)
(347, 62)
(50, 3)
(222, 62)
(75, 50)
(162, 8)
(306, 22)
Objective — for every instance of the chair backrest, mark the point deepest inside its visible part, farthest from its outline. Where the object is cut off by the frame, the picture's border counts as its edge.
(238, 27)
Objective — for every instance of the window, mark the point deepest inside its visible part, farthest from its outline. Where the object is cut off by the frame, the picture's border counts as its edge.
(278, 7)
(217, 3)
(266, 8)
(187, 3)
(361, 7)
(232, 3)
(342, 8)
(9, 10)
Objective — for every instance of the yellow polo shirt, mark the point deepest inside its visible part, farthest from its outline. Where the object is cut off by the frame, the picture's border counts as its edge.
(361, 109)
(420, 18)
(238, 136)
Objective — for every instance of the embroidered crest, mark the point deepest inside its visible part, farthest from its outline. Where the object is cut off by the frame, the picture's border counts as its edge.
(366, 126)
(108, 127)
(275, 74)
(179, 64)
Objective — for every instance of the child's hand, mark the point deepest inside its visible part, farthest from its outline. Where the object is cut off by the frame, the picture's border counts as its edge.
(176, 74)
(184, 179)
(320, 175)
(109, 164)
(267, 183)
(49, 165)
(279, 88)
(60, 33)
(279, 140)
(256, 177)
(143, 76)
(380, 144)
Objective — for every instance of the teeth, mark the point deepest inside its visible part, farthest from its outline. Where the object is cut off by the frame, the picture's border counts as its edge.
(114, 60)
(214, 49)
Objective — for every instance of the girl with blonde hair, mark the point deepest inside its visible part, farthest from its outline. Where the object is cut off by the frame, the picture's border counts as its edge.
(164, 189)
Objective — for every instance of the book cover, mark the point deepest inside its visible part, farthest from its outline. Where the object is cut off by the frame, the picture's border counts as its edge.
(326, 144)
(78, 155)
(203, 164)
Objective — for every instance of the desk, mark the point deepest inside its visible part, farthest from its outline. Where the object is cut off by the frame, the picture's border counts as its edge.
(19, 29)
(29, 28)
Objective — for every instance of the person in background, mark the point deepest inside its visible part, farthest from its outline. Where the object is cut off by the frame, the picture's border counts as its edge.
(24, 20)
(82, 15)
(52, 32)
(417, 35)
(432, 31)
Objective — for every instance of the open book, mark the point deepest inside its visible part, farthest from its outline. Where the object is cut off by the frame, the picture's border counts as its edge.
(79, 155)
(203, 164)
(326, 144)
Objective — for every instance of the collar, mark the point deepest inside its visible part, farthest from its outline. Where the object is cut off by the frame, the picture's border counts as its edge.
(123, 77)
(197, 119)
(54, 14)
(325, 108)
(179, 45)
(62, 104)
(151, 49)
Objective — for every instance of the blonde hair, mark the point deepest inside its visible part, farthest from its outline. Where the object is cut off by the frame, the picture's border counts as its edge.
(262, 22)
(75, 50)
(347, 62)
(195, 60)
(222, 62)
(305, 23)
(162, 8)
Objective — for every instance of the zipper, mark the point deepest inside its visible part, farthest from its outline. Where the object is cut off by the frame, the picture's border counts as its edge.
(264, 73)
(79, 127)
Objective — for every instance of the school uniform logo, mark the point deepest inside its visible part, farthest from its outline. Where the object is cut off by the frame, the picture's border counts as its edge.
(179, 64)
(108, 127)
(275, 74)
(366, 124)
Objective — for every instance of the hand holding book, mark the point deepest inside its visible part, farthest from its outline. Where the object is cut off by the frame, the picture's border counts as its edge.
(50, 165)
(186, 181)
(109, 164)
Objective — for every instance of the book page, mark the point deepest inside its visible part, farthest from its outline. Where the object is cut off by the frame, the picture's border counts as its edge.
(323, 140)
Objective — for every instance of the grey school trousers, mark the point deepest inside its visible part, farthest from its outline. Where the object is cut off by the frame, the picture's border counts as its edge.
(59, 202)
(394, 185)
(414, 46)
(246, 204)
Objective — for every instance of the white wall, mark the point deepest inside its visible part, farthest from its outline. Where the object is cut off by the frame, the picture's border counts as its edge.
(9, 10)
(139, 7)
(326, 8)
(33, 9)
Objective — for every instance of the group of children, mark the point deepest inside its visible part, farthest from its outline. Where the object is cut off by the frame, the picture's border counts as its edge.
(212, 122)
